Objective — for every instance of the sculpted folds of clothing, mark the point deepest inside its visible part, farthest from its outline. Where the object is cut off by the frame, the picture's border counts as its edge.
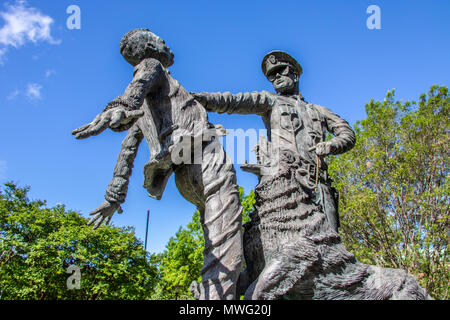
(299, 125)
(172, 116)
(118, 187)
(295, 125)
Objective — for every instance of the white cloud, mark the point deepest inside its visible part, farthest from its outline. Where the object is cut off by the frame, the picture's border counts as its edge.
(34, 91)
(13, 94)
(48, 73)
(31, 91)
(24, 24)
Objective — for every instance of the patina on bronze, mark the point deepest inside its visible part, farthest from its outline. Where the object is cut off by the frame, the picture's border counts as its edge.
(155, 107)
(291, 245)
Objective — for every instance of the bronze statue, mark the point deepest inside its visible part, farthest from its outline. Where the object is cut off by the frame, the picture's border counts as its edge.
(291, 245)
(155, 107)
(293, 123)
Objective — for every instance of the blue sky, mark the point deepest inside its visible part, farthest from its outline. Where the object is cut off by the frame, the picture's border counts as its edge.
(53, 80)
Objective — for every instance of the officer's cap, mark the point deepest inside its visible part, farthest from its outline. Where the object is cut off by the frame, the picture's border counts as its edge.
(277, 59)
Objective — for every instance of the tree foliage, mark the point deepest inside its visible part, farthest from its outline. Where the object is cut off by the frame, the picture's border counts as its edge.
(38, 244)
(181, 262)
(394, 188)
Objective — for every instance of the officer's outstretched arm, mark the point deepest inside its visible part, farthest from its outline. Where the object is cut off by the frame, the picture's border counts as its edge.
(118, 187)
(240, 103)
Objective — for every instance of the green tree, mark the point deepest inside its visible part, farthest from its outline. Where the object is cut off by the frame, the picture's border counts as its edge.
(38, 244)
(394, 188)
(181, 262)
(247, 202)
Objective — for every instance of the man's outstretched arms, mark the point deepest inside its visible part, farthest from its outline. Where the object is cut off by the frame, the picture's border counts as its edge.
(113, 118)
(118, 187)
(121, 113)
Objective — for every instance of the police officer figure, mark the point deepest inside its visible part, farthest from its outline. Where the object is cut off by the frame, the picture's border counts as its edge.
(292, 124)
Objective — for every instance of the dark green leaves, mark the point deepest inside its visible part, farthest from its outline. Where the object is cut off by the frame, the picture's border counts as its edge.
(38, 244)
(394, 188)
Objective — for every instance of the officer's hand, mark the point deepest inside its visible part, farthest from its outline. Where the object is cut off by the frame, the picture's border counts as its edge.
(104, 212)
(111, 118)
(322, 148)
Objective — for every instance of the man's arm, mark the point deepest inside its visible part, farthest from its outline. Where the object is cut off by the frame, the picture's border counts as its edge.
(240, 103)
(118, 187)
(147, 75)
(344, 137)
(121, 113)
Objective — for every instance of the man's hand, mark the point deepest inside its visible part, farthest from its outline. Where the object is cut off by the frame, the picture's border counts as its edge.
(111, 118)
(105, 211)
(322, 148)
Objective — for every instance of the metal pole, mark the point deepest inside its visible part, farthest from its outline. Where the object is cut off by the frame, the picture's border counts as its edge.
(146, 230)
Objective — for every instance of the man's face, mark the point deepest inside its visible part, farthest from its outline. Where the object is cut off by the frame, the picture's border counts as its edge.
(283, 79)
(158, 44)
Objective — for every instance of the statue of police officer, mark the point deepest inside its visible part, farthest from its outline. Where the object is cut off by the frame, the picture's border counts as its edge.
(292, 124)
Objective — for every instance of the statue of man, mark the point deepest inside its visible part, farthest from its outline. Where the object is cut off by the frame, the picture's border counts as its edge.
(155, 107)
(292, 124)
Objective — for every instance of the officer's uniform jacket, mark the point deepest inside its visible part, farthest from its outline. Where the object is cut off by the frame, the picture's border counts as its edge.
(170, 116)
(295, 125)
(291, 123)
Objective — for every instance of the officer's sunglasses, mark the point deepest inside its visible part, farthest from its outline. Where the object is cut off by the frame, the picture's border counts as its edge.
(283, 71)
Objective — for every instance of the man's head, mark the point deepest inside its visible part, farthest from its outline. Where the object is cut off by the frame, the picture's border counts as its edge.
(139, 44)
(283, 71)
